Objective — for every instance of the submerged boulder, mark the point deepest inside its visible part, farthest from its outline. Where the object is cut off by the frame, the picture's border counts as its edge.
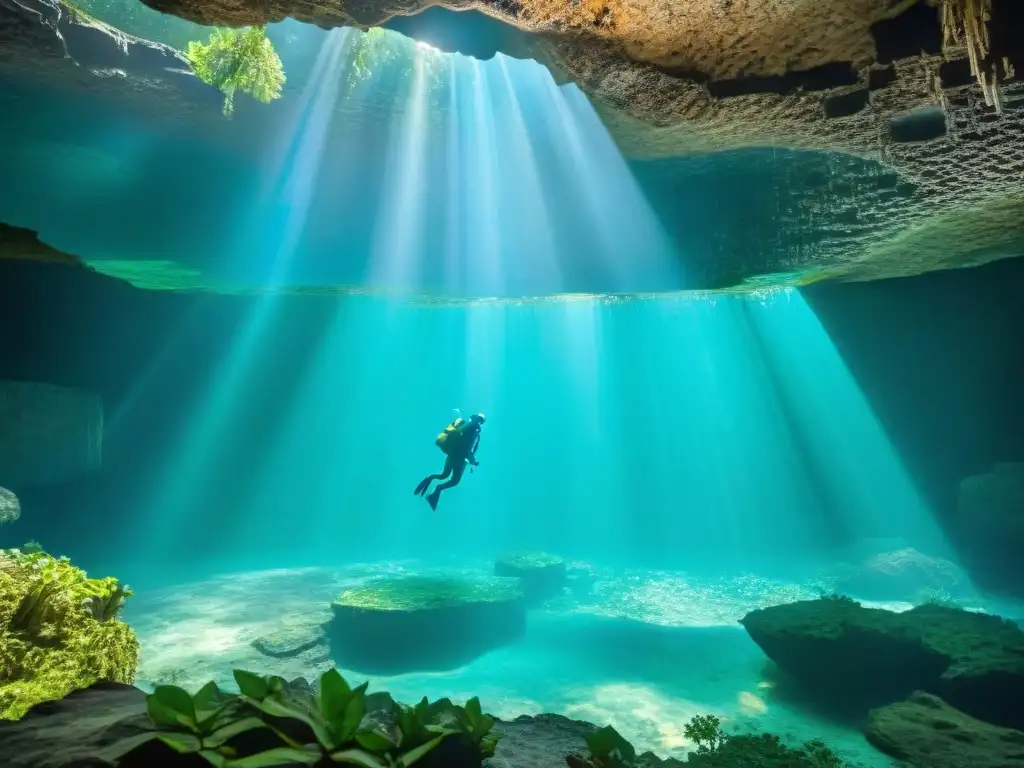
(542, 575)
(423, 623)
(904, 574)
(989, 527)
(10, 507)
(293, 637)
(859, 657)
(925, 732)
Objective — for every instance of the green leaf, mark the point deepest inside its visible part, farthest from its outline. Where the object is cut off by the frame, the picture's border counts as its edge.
(358, 757)
(251, 685)
(229, 731)
(185, 743)
(170, 705)
(334, 697)
(606, 742)
(352, 717)
(374, 741)
(121, 748)
(473, 709)
(414, 756)
(273, 758)
(276, 708)
(207, 703)
(213, 758)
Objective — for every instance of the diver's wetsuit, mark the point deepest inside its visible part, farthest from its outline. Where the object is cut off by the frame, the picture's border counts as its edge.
(454, 464)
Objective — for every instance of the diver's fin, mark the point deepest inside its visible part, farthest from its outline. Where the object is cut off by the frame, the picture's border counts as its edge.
(433, 498)
(422, 487)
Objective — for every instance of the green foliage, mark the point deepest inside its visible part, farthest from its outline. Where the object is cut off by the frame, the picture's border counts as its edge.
(608, 749)
(205, 724)
(59, 631)
(715, 749)
(234, 60)
(705, 731)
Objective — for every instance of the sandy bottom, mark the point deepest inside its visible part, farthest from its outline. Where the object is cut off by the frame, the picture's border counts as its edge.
(644, 652)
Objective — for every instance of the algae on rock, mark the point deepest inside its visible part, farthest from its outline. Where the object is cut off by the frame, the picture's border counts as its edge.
(423, 623)
(59, 631)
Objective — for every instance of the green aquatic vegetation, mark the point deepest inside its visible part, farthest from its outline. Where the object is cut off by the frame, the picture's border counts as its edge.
(59, 631)
(419, 593)
(207, 723)
(839, 598)
(715, 749)
(234, 60)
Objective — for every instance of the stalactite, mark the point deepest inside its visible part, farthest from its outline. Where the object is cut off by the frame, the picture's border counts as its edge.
(965, 22)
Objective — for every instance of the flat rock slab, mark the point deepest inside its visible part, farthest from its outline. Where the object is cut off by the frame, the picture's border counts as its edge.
(926, 732)
(423, 623)
(541, 575)
(293, 637)
(846, 653)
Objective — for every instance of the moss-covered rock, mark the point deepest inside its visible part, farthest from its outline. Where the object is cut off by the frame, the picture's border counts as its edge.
(926, 732)
(542, 575)
(866, 657)
(423, 623)
(59, 631)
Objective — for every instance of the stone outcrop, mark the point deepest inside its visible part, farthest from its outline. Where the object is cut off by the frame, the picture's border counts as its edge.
(881, 79)
(50, 43)
(541, 575)
(989, 527)
(853, 656)
(10, 507)
(454, 620)
(904, 574)
(48, 433)
(931, 176)
(925, 732)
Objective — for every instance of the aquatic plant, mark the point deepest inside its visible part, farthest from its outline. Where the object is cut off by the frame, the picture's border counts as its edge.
(715, 749)
(234, 61)
(59, 631)
(312, 730)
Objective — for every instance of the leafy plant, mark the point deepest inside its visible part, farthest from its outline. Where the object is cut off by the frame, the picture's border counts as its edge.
(234, 61)
(477, 726)
(705, 731)
(715, 749)
(332, 720)
(608, 749)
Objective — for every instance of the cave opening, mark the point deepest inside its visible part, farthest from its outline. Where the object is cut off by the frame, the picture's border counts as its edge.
(915, 31)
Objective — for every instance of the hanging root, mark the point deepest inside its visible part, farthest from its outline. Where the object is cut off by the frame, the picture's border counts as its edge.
(965, 22)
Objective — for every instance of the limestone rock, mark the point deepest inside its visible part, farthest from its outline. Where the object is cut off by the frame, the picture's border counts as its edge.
(10, 507)
(990, 527)
(862, 657)
(926, 732)
(48, 433)
(293, 638)
(418, 623)
(904, 574)
(53, 43)
(540, 574)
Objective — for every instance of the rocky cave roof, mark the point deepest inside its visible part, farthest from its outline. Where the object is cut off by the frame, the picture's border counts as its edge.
(884, 80)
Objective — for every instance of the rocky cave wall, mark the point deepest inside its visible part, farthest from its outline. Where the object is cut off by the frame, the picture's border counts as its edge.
(870, 79)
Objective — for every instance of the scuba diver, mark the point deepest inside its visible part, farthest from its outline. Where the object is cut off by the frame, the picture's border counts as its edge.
(459, 442)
